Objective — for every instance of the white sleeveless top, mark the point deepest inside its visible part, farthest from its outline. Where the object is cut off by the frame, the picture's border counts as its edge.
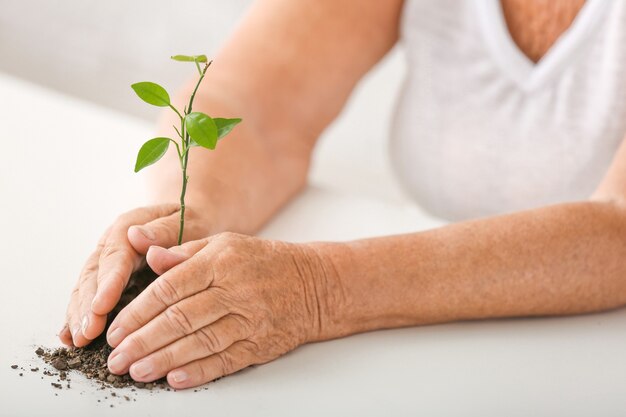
(480, 129)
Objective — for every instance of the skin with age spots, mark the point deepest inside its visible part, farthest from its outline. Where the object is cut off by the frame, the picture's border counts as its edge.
(224, 301)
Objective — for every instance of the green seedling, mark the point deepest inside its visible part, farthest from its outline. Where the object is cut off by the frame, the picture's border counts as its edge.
(196, 128)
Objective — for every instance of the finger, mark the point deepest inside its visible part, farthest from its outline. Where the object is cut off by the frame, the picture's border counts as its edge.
(236, 357)
(176, 322)
(117, 262)
(162, 232)
(73, 320)
(188, 249)
(182, 281)
(66, 336)
(91, 325)
(161, 260)
(87, 277)
(119, 259)
(67, 329)
(204, 342)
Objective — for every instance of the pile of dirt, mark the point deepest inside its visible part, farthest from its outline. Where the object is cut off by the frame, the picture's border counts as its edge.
(91, 360)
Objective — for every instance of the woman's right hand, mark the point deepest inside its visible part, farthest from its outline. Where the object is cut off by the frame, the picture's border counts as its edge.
(120, 252)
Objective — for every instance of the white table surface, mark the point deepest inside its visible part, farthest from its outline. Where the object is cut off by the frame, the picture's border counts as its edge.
(66, 171)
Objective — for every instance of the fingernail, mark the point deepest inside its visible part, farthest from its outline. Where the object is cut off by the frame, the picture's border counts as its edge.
(147, 233)
(98, 304)
(118, 363)
(116, 337)
(141, 369)
(75, 329)
(95, 301)
(85, 323)
(63, 329)
(179, 376)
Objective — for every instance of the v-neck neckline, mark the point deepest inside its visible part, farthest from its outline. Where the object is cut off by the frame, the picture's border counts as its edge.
(514, 62)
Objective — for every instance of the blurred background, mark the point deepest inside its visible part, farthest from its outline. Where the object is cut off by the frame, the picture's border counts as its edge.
(94, 50)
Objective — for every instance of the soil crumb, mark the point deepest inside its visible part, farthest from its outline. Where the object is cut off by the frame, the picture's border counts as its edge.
(91, 360)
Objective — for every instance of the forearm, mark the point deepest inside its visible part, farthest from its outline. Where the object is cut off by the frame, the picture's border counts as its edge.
(287, 86)
(241, 183)
(269, 74)
(562, 259)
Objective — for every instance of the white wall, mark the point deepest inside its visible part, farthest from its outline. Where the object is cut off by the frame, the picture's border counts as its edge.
(96, 49)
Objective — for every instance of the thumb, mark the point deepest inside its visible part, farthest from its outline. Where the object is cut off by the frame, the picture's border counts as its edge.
(160, 232)
(161, 260)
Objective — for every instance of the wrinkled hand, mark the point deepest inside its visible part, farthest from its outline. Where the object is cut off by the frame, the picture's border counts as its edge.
(221, 304)
(120, 252)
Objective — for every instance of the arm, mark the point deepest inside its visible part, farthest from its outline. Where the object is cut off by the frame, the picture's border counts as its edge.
(228, 301)
(561, 259)
(286, 72)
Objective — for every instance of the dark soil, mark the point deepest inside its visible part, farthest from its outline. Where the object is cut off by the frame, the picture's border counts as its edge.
(91, 361)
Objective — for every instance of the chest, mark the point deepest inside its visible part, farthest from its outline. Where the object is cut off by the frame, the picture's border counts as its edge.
(476, 117)
(535, 25)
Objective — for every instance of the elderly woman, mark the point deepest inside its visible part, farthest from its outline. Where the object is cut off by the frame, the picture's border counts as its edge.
(511, 106)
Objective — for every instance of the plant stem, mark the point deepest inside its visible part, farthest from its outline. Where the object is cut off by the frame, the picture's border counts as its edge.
(185, 157)
(177, 112)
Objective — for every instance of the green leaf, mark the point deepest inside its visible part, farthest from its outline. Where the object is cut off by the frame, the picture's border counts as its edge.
(150, 152)
(152, 93)
(202, 129)
(224, 126)
(189, 58)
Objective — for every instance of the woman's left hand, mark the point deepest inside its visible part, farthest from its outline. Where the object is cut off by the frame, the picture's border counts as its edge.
(221, 304)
